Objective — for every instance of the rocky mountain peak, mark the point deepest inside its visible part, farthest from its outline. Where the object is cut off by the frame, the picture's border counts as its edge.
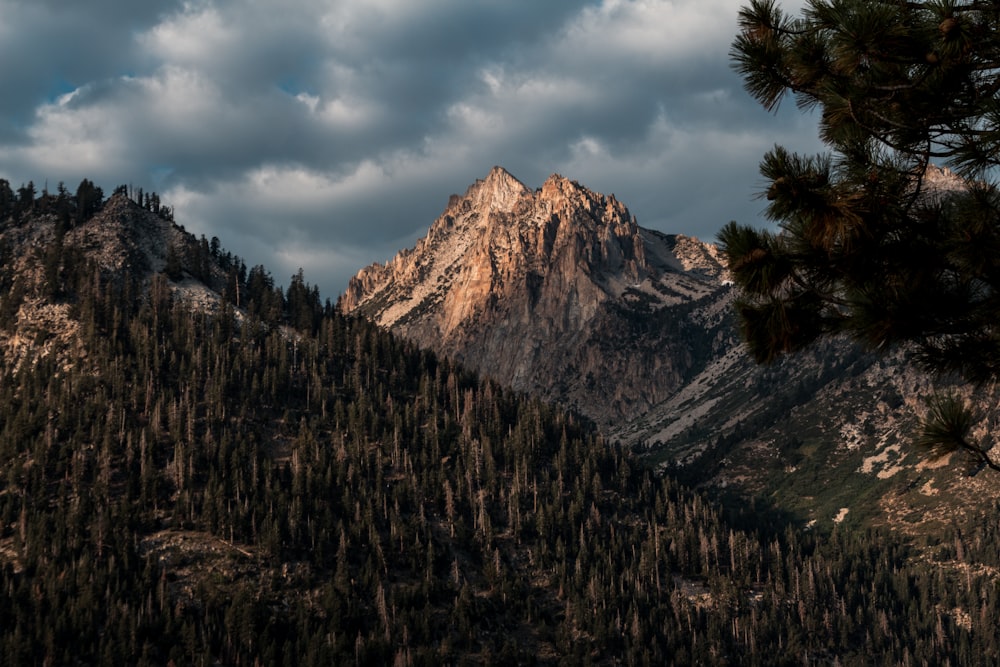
(940, 182)
(517, 283)
(123, 235)
(558, 187)
(499, 191)
(568, 198)
(694, 255)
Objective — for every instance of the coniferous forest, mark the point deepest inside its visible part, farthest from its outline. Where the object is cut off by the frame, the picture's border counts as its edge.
(273, 483)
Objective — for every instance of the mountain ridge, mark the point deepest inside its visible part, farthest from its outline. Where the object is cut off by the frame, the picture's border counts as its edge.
(514, 283)
(121, 238)
(654, 356)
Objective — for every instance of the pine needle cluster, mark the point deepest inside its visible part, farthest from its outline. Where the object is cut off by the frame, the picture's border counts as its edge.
(869, 244)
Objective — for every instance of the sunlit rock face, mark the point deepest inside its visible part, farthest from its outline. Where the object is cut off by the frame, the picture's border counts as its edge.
(557, 291)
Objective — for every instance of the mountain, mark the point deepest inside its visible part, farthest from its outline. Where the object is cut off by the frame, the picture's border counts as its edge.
(556, 291)
(49, 260)
(827, 433)
(559, 292)
(200, 467)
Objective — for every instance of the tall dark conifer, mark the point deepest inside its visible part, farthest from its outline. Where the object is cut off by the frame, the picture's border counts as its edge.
(869, 244)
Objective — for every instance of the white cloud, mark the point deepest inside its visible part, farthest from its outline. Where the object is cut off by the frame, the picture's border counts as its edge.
(179, 100)
(678, 181)
(296, 129)
(192, 37)
(67, 137)
(296, 217)
(653, 32)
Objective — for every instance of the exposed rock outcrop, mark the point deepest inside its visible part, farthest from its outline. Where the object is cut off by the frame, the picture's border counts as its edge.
(120, 240)
(557, 291)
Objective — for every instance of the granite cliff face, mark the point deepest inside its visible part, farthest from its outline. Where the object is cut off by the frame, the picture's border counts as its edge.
(557, 291)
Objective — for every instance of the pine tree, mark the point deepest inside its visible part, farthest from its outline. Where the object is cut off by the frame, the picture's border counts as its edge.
(173, 267)
(866, 246)
(869, 245)
(89, 199)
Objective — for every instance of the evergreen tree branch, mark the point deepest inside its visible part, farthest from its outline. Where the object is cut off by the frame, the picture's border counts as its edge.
(947, 427)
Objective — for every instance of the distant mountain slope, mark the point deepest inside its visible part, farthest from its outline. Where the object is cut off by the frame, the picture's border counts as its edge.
(556, 291)
(827, 435)
(559, 292)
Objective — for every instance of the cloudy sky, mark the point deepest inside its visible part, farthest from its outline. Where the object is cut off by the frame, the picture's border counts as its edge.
(329, 134)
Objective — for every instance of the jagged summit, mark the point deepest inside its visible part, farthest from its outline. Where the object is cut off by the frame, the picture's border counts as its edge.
(498, 191)
(123, 235)
(517, 283)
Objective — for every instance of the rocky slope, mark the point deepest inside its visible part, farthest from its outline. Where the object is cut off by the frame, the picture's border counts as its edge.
(40, 251)
(525, 286)
(827, 435)
(559, 292)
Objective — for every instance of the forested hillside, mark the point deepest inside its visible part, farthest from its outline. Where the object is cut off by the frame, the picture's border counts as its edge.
(245, 484)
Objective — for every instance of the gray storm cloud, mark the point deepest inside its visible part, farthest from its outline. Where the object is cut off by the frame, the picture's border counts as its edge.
(328, 135)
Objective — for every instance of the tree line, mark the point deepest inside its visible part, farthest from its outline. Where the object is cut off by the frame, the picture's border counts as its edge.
(252, 486)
